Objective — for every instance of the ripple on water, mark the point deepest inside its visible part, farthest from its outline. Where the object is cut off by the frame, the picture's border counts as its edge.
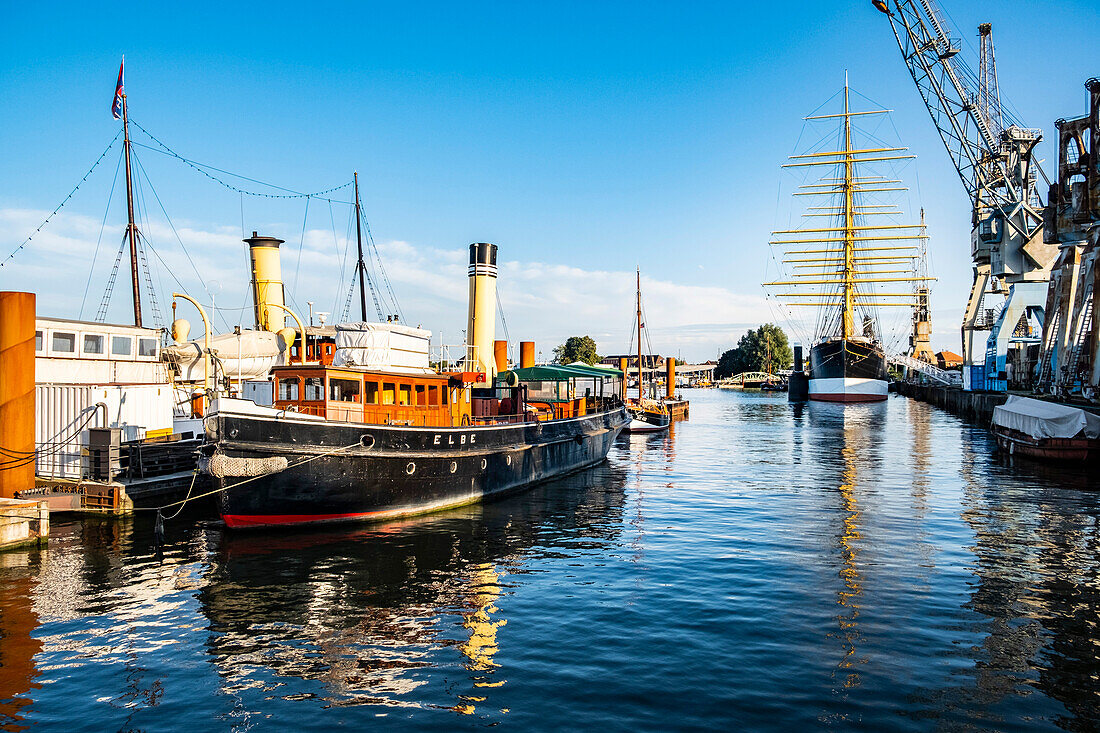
(765, 565)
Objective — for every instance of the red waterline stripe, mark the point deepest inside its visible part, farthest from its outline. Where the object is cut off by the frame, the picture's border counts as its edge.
(834, 397)
(259, 520)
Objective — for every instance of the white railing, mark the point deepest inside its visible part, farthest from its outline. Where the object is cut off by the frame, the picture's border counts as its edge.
(452, 356)
(932, 372)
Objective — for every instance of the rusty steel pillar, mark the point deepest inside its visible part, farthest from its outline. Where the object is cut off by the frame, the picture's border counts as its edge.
(500, 355)
(526, 354)
(16, 392)
(670, 378)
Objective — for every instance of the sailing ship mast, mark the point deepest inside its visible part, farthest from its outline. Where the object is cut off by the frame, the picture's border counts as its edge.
(843, 275)
(131, 228)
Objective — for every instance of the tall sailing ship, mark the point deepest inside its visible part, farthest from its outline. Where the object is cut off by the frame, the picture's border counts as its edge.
(864, 258)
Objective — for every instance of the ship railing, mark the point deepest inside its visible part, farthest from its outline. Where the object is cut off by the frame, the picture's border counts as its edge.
(453, 357)
(500, 420)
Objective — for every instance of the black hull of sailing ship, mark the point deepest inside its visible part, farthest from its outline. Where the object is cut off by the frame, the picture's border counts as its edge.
(387, 471)
(848, 371)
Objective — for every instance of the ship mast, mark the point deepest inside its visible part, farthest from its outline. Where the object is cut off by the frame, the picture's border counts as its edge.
(131, 228)
(359, 242)
(847, 315)
(639, 334)
(842, 266)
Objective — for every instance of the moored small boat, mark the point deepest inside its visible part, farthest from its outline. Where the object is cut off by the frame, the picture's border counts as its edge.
(1046, 430)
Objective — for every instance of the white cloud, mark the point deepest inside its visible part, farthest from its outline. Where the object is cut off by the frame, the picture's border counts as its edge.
(542, 301)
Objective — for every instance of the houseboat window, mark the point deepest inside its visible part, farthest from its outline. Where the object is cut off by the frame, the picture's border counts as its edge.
(388, 393)
(64, 343)
(314, 390)
(37, 340)
(147, 347)
(294, 351)
(93, 343)
(121, 345)
(421, 396)
(371, 394)
(405, 395)
(343, 390)
(288, 389)
(433, 394)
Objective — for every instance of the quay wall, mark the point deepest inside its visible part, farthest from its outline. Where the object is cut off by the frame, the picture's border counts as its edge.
(976, 406)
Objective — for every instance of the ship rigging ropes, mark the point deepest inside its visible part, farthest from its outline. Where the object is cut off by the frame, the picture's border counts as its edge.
(374, 271)
(850, 251)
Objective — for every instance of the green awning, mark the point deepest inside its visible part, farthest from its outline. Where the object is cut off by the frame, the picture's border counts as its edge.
(557, 373)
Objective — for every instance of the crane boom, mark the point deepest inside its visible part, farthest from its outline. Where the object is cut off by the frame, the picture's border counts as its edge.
(993, 157)
(982, 157)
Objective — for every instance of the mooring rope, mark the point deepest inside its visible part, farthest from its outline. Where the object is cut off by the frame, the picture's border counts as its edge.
(242, 483)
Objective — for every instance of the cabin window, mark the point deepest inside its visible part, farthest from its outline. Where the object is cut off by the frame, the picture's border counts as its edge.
(541, 391)
(121, 345)
(343, 390)
(147, 347)
(63, 343)
(314, 389)
(288, 389)
(94, 343)
(294, 351)
(404, 394)
(370, 396)
(38, 341)
(389, 393)
(421, 395)
(433, 394)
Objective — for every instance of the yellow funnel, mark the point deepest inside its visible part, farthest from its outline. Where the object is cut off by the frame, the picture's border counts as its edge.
(267, 282)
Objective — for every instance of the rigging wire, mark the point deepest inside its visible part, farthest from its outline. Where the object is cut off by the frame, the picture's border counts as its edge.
(203, 169)
(64, 201)
(175, 233)
(99, 239)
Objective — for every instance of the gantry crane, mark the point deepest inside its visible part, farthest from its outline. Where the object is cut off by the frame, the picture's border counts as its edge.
(993, 156)
(1070, 363)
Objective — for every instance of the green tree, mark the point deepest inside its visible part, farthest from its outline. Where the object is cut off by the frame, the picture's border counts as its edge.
(576, 348)
(752, 353)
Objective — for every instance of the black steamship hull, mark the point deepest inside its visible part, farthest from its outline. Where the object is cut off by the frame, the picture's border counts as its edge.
(848, 371)
(373, 472)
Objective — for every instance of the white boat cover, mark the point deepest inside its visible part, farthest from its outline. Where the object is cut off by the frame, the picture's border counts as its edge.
(1040, 419)
(249, 355)
(382, 346)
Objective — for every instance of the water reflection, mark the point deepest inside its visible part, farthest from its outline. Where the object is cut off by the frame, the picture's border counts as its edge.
(18, 578)
(367, 613)
(766, 566)
(854, 431)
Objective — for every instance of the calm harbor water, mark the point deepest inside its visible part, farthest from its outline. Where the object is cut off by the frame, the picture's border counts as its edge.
(766, 565)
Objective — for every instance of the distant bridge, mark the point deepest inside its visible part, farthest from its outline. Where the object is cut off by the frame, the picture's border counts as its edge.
(739, 380)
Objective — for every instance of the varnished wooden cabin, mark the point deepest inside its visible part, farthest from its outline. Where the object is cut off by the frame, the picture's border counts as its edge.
(377, 398)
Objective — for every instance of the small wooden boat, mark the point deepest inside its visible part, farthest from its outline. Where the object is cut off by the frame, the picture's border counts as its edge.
(647, 416)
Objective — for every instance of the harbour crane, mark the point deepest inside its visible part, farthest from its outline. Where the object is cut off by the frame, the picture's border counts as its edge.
(1070, 362)
(992, 153)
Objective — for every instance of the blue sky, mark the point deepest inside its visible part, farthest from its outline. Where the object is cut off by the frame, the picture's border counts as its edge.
(583, 138)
